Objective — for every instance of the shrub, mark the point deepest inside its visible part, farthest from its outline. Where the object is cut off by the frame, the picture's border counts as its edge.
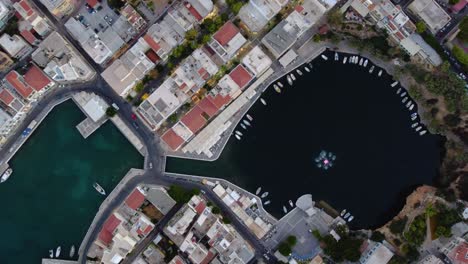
(377, 236)
(397, 226)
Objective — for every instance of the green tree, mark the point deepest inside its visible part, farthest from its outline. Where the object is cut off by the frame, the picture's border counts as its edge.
(420, 27)
(430, 211)
(397, 226)
(116, 4)
(191, 34)
(334, 17)
(216, 210)
(453, 2)
(442, 231)
(284, 249)
(181, 195)
(139, 87)
(460, 55)
(11, 27)
(111, 111)
(236, 7)
(463, 34)
(316, 38)
(377, 236)
(416, 232)
(292, 240)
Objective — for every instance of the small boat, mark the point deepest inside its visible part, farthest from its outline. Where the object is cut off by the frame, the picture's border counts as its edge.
(372, 69)
(238, 133)
(350, 219)
(299, 72)
(343, 212)
(398, 91)
(306, 69)
(422, 132)
(238, 137)
(263, 101)
(403, 94)
(6, 175)
(243, 126)
(293, 77)
(249, 117)
(246, 122)
(336, 56)
(418, 128)
(259, 189)
(291, 203)
(324, 57)
(394, 84)
(57, 252)
(414, 116)
(284, 209)
(265, 194)
(51, 253)
(404, 99)
(267, 202)
(365, 63)
(411, 107)
(344, 60)
(347, 215)
(72, 251)
(361, 61)
(380, 73)
(280, 84)
(99, 188)
(277, 89)
(289, 80)
(415, 124)
(408, 103)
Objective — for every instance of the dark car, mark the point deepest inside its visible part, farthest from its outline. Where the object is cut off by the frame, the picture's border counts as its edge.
(135, 125)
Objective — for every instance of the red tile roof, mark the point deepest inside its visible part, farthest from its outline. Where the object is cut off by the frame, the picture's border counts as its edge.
(23, 89)
(152, 43)
(92, 3)
(108, 228)
(241, 76)
(28, 36)
(36, 78)
(6, 97)
(173, 140)
(459, 6)
(219, 101)
(152, 56)
(208, 258)
(461, 255)
(299, 8)
(25, 5)
(227, 32)
(194, 12)
(146, 231)
(200, 207)
(208, 107)
(135, 199)
(194, 119)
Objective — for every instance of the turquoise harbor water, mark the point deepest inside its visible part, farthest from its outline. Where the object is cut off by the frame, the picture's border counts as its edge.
(49, 200)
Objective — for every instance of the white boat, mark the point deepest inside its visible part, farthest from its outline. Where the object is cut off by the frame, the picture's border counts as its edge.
(99, 188)
(394, 84)
(277, 89)
(299, 72)
(306, 69)
(361, 61)
(280, 84)
(324, 57)
(246, 122)
(415, 124)
(72, 251)
(365, 63)
(398, 91)
(267, 202)
(343, 212)
(336, 56)
(422, 132)
(6, 175)
(249, 117)
(414, 116)
(259, 189)
(293, 77)
(355, 59)
(289, 80)
(403, 94)
(51, 253)
(284, 209)
(291, 203)
(372, 69)
(408, 104)
(344, 60)
(243, 126)
(57, 252)
(263, 101)
(350, 219)
(404, 99)
(411, 107)
(265, 194)
(380, 73)
(347, 215)
(238, 133)
(418, 128)
(238, 137)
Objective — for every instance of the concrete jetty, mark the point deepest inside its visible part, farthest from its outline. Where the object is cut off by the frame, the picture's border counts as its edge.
(94, 107)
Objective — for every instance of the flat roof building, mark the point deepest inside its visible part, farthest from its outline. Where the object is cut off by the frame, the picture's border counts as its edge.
(433, 15)
(257, 61)
(5, 61)
(376, 253)
(15, 46)
(256, 13)
(227, 41)
(59, 8)
(31, 18)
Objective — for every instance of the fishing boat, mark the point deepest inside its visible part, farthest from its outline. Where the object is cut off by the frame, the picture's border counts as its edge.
(291, 203)
(404, 99)
(361, 61)
(238, 137)
(284, 209)
(72, 251)
(243, 126)
(422, 132)
(415, 124)
(246, 122)
(99, 189)
(403, 94)
(238, 133)
(336, 56)
(249, 117)
(306, 69)
(418, 128)
(267, 202)
(263, 101)
(411, 107)
(299, 72)
(280, 84)
(371, 69)
(324, 57)
(365, 63)
(259, 189)
(380, 73)
(394, 84)
(57, 252)
(398, 91)
(347, 215)
(293, 77)
(289, 80)
(265, 194)
(344, 60)
(343, 212)
(51, 253)
(350, 219)
(277, 89)
(6, 175)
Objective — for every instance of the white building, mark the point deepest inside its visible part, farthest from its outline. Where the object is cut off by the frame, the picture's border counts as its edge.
(15, 45)
(257, 61)
(256, 13)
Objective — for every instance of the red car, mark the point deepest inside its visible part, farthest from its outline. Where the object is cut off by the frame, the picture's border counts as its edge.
(134, 117)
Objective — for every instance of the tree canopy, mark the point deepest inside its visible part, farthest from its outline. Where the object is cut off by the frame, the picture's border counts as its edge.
(463, 34)
(420, 27)
(460, 55)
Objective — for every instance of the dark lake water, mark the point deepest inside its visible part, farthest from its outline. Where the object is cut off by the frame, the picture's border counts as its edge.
(338, 108)
(49, 200)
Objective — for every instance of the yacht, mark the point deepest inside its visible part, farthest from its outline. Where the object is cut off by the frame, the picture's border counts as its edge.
(238, 133)
(267, 202)
(394, 84)
(350, 219)
(365, 63)
(343, 212)
(263, 101)
(51, 253)
(238, 137)
(380, 73)
(324, 57)
(347, 215)
(277, 89)
(306, 69)
(284, 209)
(72, 251)
(265, 194)
(403, 94)
(289, 80)
(293, 77)
(299, 72)
(57, 252)
(344, 60)
(398, 91)
(99, 188)
(404, 99)
(280, 84)
(411, 107)
(243, 126)
(259, 189)
(415, 124)
(408, 103)
(291, 203)
(246, 122)
(249, 117)
(361, 61)
(422, 132)
(418, 128)
(371, 69)
(336, 56)
(6, 175)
